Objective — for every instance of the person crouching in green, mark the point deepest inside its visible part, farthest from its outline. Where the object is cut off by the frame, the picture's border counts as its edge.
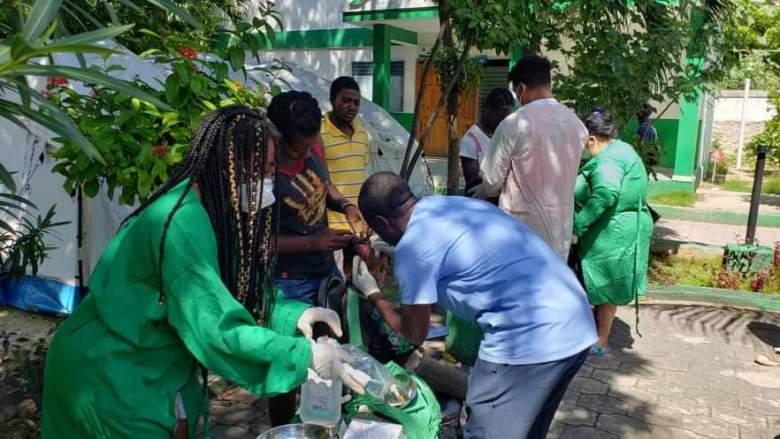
(162, 305)
(612, 223)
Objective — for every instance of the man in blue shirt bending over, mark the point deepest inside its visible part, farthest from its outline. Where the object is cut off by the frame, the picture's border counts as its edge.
(473, 259)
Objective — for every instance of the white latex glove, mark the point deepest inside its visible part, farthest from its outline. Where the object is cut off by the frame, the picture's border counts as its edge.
(362, 278)
(478, 192)
(379, 246)
(315, 315)
(329, 362)
(574, 239)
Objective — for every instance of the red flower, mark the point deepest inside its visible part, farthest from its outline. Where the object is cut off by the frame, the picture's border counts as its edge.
(160, 150)
(46, 94)
(718, 156)
(188, 52)
(57, 80)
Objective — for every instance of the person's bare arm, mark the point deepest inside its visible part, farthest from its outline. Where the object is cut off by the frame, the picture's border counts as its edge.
(323, 241)
(470, 172)
(412, 321)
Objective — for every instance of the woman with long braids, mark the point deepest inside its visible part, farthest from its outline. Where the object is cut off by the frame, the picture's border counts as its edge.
(162, 305)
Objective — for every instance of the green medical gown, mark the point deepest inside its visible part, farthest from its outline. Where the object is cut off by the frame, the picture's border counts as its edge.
(115, 366)
(613, 225)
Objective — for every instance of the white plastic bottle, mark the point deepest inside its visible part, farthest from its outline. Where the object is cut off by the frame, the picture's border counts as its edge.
(321, 399)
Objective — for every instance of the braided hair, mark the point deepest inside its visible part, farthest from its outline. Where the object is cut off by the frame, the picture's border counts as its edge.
(227, 152)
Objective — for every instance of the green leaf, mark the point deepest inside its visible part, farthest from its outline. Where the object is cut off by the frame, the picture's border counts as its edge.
(6, 179)
(237, 58)
(220, 70)
(92, 77)
(145, 54)
(270, 34)
(196, 85)
(96, 36)
(18, 199)
(54, 119)
(112, 13)
(132, 6)
(7, 227)
(171, 89)
(181, 71)
(176, 10)
(41, 16)
(91, 188)
(75, 48)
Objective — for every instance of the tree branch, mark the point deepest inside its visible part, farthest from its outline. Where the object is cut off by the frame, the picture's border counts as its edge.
(418, 102)
(440, 105)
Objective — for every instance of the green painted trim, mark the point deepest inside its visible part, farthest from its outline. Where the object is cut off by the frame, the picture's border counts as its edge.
(715, 216)
(381, 53)
(323, 38)
(718, 296)
(392, 14)
(403, 36)
(405, 119)
(687, 134)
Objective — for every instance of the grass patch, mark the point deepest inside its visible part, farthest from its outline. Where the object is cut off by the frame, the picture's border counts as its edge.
(674, 198)
(704, 271)
(770, 185)
(737, 185)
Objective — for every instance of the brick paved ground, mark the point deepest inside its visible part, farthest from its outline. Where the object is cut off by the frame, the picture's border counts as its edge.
(692, 375)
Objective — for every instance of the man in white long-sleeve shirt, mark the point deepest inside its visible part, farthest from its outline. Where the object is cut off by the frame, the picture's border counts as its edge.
(534, 157)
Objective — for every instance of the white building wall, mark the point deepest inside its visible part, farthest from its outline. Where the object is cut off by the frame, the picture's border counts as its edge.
(728, 107)
(307, 14)
(332, 63)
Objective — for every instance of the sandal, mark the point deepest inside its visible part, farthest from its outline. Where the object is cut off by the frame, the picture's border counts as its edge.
(598, 350)
(766, 361)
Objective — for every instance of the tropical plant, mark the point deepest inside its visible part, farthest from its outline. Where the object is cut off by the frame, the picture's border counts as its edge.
(25, 248)
(212, 16)
(21, 246)
(140, 142)
(22, 54)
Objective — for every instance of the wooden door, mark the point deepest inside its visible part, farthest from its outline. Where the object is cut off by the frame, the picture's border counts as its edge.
(468, 105)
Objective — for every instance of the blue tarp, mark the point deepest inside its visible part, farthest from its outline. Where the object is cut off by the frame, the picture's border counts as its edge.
(39, 294)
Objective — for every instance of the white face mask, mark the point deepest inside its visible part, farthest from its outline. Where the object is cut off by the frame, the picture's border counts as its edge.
(266, 197)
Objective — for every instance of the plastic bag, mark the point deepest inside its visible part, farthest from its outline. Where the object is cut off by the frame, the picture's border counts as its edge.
(463, 339)
(421, 418)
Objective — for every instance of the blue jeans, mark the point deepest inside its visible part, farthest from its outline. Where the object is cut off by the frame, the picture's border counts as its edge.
(507, 401)
(303, 289)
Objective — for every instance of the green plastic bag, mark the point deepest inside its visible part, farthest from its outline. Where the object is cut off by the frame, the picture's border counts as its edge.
(421, 418)
(463, 339)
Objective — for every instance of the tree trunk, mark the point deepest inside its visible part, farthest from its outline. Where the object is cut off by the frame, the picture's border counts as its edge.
(406, 169)
(453, 147)
(453, 156)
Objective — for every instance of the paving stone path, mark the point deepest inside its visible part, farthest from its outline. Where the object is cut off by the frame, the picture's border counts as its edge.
(691, 375)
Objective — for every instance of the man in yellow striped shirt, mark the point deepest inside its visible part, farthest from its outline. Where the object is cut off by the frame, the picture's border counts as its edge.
(345, 145)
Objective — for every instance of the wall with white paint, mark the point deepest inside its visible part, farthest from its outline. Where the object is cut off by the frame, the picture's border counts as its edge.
(728, 106)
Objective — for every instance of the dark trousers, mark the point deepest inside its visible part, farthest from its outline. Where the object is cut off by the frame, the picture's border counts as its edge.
(507, 401)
